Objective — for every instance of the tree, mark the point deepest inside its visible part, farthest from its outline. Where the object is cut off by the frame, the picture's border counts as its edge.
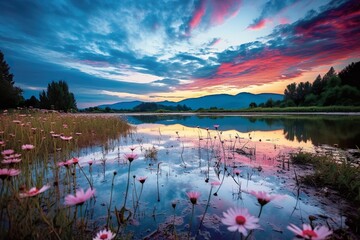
(318, 86)
(269, 103)
(58, 97)
(32, 102)
(253, 105)
(350, 75)
(290, 92)
(10, 96)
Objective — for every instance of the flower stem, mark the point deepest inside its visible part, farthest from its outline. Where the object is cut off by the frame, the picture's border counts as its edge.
(191, 219)
(127, 186)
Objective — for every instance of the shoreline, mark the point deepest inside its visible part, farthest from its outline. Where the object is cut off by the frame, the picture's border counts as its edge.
(227, 113)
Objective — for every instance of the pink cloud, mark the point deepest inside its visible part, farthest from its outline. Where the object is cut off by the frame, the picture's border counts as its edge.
(214, 12)
(198, 15)
(324, 40)
(259, 25)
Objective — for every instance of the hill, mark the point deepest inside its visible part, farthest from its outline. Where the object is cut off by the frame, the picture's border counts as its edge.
(225, 101)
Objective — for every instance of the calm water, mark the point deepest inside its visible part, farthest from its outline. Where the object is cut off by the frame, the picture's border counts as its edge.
(188, 151)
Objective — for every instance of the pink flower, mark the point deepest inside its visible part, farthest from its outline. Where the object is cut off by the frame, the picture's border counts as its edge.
(34, 191)
(17, 155)
(65, 138)
(236, 172)
(27, 147)
(216, 126)
(320, 232)
(239, 219)
(131, 156)
(215, 183)
(11, 160)
(68, 162)
(7, 152)
(6, 173)
(104, 235)
(54, 135)
(80, 197)
(264, 198)
(193, 196)
(142, 179)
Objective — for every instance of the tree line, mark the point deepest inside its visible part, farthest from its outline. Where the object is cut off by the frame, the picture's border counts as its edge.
(56, 97)
(333, 89)
(143, 107)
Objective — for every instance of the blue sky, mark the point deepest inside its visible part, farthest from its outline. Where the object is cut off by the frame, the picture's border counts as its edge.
(111, 51)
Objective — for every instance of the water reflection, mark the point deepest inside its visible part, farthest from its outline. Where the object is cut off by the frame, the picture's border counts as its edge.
(321, 129)
(188, 159)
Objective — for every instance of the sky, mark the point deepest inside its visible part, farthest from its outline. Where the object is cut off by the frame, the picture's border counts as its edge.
(155, 50)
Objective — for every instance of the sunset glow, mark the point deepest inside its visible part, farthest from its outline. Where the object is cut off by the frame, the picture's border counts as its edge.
(154, 51)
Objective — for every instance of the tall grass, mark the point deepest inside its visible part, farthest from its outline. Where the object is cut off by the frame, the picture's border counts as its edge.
(56, 138)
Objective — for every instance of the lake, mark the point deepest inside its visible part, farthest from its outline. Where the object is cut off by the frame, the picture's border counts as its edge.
(184, 153)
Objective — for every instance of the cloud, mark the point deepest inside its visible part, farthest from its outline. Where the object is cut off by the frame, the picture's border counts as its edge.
(213, 12)
(291, 49)
(269, 10)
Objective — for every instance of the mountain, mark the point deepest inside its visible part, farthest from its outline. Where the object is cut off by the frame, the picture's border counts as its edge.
(225, 101)
(121, 105)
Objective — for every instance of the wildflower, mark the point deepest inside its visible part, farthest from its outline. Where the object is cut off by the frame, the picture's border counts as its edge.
(68, 162)
(142, 179)
(80, 197)
(54, 135)
(7, 173)
(132, 148)
(7, 152)
(320, 232)
(239, 219)
(236, 172)
(34, 191)
(131, 156)
(66, 138)
(104, 235)
(2, 143)
(11, 160)
(215, 183)
(264, 198)
(216, 126)
(193, 196)
(27, 147)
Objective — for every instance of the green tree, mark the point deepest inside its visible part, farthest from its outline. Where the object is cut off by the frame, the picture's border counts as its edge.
(58, 97)
(350, 75)
(290, 92)
(252, 105)
(10, 96)
(32, 102)
(269, 103)
(318, 86)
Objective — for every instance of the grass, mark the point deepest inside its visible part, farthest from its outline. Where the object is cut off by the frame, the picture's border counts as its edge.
(311, 109)
(56, 138)
(340, 176)
(329, 172)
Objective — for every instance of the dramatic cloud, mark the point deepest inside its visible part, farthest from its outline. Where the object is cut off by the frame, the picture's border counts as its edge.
(109, 51)
(212, 12)
(320, 39)
(270, 8)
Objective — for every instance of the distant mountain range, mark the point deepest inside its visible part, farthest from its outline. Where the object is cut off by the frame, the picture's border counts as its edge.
(225, 101)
